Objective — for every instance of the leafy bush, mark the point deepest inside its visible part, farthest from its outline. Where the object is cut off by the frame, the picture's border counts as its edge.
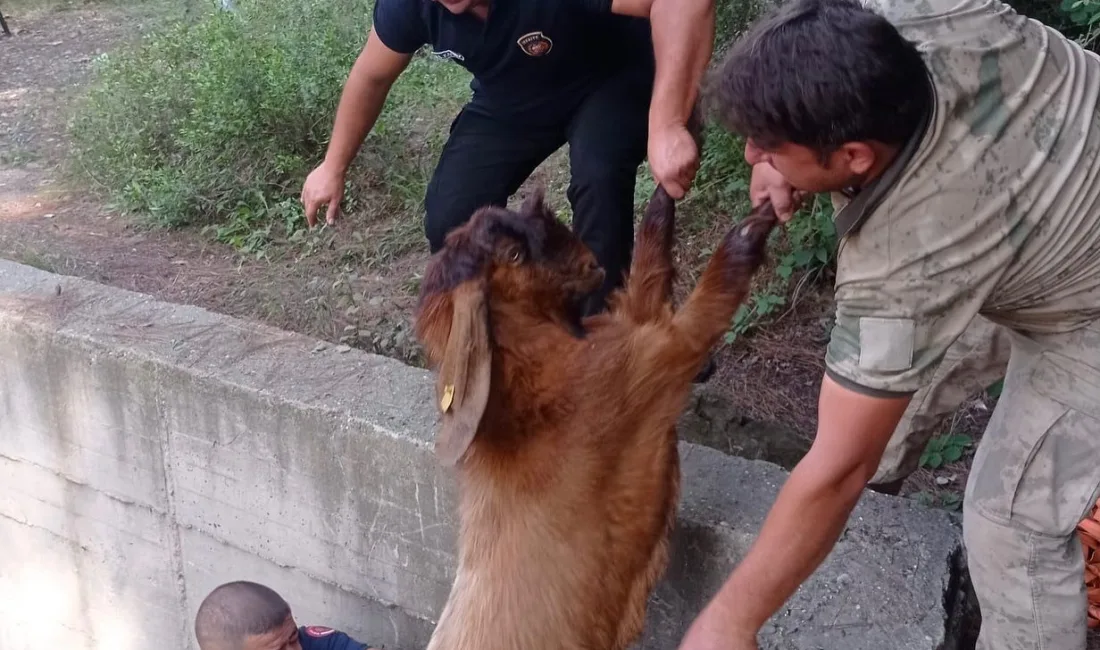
(223, 115)
(945, 449)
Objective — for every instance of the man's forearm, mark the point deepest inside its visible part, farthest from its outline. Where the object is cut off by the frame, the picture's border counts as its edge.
(360, 104)
(683, 40)
(799, 532)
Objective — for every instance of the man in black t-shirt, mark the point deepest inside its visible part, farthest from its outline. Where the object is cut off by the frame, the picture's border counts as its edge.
(244, 615)
(545, 73)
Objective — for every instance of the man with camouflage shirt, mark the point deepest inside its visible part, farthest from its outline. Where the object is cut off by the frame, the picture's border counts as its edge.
(961, 143)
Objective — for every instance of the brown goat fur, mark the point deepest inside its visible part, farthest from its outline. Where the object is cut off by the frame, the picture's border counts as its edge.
(564, 438)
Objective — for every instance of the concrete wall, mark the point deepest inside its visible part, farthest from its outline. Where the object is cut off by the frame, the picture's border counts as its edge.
(149, 452)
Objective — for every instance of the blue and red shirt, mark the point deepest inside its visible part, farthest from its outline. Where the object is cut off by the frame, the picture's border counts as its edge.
(318, 637)
(532, 58)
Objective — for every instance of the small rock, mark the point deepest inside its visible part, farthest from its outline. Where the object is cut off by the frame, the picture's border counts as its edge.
(319, 347)
(48, 216)
(844, 579)
(344, 349)
(942, 480)
(375, 301)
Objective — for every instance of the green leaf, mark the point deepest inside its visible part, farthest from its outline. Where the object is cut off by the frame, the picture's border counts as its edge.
(995, 390)
(952, 454)
(950, 501)
(960, 440)
(935, 459)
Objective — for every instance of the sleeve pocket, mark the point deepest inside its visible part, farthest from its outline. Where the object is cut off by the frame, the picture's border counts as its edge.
(886, 344)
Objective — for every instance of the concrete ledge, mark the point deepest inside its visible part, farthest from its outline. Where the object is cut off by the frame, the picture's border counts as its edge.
(150, 451)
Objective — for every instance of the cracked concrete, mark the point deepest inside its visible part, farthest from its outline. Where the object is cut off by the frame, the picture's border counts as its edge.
(150, 451)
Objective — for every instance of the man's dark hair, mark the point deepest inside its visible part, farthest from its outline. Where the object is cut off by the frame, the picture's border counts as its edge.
(236, 610)
(819, 73)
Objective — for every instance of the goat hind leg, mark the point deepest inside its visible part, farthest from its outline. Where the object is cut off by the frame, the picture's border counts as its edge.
(725, 283)
(648, 289)
(632, 623)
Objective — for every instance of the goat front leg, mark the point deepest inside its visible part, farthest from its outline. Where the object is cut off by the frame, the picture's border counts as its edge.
(648, 292)
(725, 283)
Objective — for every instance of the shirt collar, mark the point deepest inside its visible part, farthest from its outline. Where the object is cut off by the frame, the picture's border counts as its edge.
(863, 201)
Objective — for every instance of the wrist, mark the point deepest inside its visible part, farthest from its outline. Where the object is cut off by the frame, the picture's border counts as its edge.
(735, 609)
(337, 164)
(672, 113)
(721, 622)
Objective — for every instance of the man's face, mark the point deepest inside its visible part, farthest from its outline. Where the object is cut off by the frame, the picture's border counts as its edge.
(804, 170)
(284, 637)
(461, 6)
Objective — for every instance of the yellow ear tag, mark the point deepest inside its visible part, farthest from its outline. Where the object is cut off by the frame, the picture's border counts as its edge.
(448, 396)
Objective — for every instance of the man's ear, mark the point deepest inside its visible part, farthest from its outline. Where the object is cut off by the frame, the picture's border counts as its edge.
(535, 203)
(463, 382)
(858, 157)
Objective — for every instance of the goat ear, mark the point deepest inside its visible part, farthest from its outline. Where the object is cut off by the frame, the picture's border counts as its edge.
(463, 383)
(535, 203)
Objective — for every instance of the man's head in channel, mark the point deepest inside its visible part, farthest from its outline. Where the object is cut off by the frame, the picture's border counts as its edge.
(245, 616)
(824, 90)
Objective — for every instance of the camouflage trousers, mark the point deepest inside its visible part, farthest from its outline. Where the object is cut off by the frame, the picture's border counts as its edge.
(1035, 475)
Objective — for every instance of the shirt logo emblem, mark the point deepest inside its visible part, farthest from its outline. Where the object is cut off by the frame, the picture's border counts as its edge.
(535, 44)
(318, 631)
(449, 54)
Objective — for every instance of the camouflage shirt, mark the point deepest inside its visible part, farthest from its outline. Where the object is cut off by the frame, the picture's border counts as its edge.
(993, 207)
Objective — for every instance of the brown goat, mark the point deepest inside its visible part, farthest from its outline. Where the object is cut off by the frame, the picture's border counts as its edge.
(564, 433)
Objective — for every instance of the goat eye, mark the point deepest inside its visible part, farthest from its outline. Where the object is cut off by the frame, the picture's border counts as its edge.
(516, 256)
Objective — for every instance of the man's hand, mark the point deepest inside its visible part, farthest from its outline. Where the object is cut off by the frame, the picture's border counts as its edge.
(683, 39)
(368, 84)
(768, 183)
(807, 518)
(324, 185)
(673, 159)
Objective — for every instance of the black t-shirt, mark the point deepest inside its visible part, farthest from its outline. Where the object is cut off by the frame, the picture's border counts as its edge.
(317, 637)
(530, 57)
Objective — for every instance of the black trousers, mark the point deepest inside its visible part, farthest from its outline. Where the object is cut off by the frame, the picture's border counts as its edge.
(487, 158)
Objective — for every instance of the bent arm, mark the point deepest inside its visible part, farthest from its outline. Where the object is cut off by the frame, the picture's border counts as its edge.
(683, 40)
(810, 512)
(364, 94)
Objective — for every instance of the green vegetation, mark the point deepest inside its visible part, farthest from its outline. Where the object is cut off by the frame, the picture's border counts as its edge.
(945, 449)
(217, 120)
(946, 499)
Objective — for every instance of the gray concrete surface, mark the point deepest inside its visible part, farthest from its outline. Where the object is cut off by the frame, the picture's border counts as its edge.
(150, 451)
